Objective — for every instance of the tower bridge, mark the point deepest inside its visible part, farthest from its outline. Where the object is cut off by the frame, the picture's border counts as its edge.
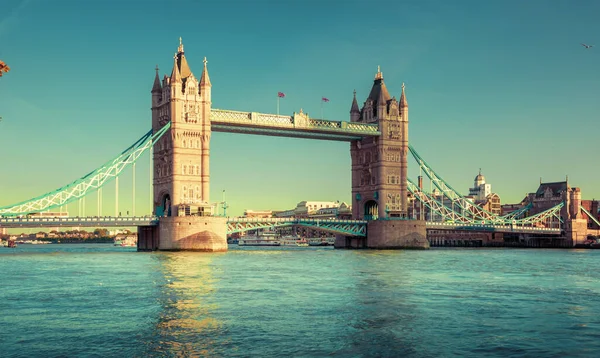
(184, 218)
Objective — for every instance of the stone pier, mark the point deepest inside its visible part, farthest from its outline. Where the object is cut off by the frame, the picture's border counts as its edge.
(190, 233)
(389, 234)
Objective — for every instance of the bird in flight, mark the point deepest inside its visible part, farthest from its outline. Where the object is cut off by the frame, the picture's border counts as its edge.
(587, 46)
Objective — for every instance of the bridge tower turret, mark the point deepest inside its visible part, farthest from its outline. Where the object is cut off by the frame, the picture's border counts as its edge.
(379, 164)
(354, 110)
(205, 107)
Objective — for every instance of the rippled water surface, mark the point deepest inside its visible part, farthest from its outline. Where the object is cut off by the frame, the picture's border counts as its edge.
(106, 301)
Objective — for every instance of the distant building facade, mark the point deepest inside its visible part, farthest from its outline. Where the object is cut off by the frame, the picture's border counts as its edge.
(307, 209)
(481, 194)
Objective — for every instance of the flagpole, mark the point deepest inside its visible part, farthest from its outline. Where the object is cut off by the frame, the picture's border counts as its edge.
(322, 109)
(278, 104)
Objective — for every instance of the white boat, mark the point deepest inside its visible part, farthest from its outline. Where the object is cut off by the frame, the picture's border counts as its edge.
(318, 241)
(292, 240)
(264, 239)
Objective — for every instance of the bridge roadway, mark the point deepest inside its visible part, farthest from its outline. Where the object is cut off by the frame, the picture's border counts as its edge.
(241, 224)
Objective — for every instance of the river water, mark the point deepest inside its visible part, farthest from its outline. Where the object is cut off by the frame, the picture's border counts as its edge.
(105, 301)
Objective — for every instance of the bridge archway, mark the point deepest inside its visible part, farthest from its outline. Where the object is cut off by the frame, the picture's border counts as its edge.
(164, 208)
(371, 210)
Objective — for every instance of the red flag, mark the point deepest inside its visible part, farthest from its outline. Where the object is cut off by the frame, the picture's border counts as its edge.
(325, 99)
(280, 94)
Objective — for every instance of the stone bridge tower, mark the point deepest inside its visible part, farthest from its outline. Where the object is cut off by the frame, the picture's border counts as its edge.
(181, 156)
(181, 164)
(379, 164)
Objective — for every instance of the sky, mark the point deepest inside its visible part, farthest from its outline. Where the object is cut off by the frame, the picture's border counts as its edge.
(505, 86)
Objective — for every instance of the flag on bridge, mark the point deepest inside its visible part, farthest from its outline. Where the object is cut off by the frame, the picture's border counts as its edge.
(280, 94)
(324, 99)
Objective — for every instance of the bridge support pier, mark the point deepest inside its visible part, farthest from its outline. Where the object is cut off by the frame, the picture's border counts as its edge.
(388, 235)
(185, 233)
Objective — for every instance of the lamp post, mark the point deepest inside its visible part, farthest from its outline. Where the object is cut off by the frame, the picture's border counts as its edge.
(224, 204)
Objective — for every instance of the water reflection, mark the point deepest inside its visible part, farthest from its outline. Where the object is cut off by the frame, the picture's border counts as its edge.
(187, 297)
(384, 311)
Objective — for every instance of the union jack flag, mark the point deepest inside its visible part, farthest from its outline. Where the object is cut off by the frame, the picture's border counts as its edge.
(280, 94)
(324, 99)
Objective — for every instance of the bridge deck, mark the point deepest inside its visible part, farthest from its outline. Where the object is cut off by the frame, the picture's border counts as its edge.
(90, 221)
(297, 126)
(494, 228)
(240, 224)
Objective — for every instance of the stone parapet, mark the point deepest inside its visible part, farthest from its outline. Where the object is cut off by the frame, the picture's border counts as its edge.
(388, 235)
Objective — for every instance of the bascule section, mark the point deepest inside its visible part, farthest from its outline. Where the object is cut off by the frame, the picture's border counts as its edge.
(181, 163)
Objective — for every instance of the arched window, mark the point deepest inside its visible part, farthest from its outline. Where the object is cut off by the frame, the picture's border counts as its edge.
(184, 169)
(184, 143)
(184, 192)
(197, 193)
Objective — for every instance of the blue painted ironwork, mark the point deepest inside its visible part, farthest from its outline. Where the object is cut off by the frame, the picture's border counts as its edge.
(458, 221)
(345, 227)
(519, 212)
(493, 228)
(87, 221)
(89, 182)
(468, 207)
(592, 217)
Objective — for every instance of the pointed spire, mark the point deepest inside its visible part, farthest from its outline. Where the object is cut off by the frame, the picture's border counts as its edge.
(354, 108)
(379, 75)
(156, 87)
(204, 79)
(175, 75)
(403, 102)
(180, 48)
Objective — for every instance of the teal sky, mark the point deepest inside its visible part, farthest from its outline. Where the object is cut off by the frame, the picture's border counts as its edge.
(500, 85)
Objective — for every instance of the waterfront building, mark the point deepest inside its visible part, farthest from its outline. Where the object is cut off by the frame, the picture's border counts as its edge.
(481, 194)
(258, 213)
(321, 209)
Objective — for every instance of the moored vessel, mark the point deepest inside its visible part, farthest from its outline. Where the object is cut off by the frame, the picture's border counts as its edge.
(266, 238)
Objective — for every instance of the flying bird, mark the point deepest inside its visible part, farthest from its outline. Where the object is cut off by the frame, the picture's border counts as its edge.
(587, 46)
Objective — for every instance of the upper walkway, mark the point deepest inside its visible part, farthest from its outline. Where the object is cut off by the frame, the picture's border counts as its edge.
(297, 126)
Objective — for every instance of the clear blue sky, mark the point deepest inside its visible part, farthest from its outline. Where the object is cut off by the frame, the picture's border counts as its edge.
(500, 85)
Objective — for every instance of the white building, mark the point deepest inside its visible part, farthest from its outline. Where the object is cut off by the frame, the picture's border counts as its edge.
(332, 209)
(481, 189)
(482, 194)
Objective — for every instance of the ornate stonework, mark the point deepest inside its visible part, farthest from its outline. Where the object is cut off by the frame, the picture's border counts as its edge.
(379, 165)
(181, 166)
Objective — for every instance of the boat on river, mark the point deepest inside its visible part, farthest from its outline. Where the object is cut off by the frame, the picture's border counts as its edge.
(266, 238)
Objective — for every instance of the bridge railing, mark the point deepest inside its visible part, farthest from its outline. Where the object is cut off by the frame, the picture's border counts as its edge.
(483, 227)
(287, 220)
(78, 221)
